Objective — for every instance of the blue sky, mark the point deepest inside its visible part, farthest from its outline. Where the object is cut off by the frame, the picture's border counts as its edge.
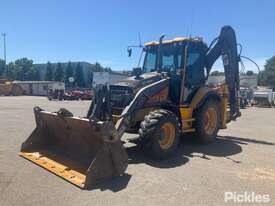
(87, 30)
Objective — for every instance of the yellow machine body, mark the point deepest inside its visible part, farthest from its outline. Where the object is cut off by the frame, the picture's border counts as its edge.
(186, 111)
(86, 151)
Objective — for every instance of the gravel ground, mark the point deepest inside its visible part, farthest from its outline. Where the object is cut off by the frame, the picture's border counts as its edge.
(241, 160)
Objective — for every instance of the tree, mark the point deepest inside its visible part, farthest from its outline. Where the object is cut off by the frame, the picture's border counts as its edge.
(11, 71)
(69, 72)
(108, 69)
(267, 77)
(270, 72)
(23, 67)
(261, 78)
(217, 73)
(59, 72)
(98, 67)
(2, 67)
(32, 74)
(79, 78)
(49, 72)
(249, 73)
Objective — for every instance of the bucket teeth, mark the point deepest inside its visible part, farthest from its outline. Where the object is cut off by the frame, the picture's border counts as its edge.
(74, 149)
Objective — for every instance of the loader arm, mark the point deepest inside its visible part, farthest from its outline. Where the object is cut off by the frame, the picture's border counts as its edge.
(225, 45)
(138, 103)
(99, 107)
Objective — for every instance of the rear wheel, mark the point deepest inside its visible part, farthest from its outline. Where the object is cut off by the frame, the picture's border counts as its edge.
(160, 130)
(207, 122)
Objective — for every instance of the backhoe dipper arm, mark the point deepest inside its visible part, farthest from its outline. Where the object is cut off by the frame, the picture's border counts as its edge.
(225, 45)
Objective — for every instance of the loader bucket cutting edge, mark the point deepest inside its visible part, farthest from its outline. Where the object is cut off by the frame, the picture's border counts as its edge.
(74, 149)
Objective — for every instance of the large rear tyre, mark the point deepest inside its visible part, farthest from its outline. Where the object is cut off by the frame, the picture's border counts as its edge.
(208, 120)
(160, 130)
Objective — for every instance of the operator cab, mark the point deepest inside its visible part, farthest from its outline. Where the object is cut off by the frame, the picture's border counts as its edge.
(172, 60)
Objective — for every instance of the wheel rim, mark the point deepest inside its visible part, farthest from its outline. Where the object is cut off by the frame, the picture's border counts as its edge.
(167, 135)
(210, 120)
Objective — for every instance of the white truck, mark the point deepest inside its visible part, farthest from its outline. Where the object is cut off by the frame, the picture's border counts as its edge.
(263, 97)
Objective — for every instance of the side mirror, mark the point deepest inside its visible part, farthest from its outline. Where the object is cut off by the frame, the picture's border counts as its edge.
(129, 50)
(137, 71)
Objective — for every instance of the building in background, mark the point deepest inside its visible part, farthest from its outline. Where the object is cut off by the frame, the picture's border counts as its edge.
(108, 77)
(215, 80)
(39, 88)
(86, 68)
(245, 80)
(99, 77)
(250, 81)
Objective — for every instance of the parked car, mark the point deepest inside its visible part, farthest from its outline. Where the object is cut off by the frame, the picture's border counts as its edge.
(78, 95)
(57, 94)
(87, 95)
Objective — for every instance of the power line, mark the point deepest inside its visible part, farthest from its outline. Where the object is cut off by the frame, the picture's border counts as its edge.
(259, 70)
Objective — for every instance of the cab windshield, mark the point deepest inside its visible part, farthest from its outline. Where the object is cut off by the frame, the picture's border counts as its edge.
(171, 57)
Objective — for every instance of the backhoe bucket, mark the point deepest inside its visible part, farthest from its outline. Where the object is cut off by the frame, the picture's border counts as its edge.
(74, 149)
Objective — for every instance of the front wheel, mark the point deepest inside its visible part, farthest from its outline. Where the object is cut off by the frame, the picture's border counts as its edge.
(160, 129)
(208, 121)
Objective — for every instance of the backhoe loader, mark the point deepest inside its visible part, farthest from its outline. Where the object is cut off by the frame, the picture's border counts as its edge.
(165, 99)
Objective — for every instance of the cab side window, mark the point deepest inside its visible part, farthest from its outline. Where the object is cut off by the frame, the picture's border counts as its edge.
(168, 61)
(192, 58)
(195, 66)
(150, 63)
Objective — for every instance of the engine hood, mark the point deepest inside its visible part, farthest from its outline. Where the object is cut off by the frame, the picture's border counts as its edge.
(139, 82)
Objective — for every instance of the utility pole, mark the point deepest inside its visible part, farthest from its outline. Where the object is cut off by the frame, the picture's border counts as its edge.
(5, 55)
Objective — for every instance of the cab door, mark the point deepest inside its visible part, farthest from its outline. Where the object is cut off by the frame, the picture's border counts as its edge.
(195, 71)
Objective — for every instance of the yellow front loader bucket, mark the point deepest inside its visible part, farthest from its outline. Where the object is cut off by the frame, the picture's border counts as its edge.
(74, 148)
